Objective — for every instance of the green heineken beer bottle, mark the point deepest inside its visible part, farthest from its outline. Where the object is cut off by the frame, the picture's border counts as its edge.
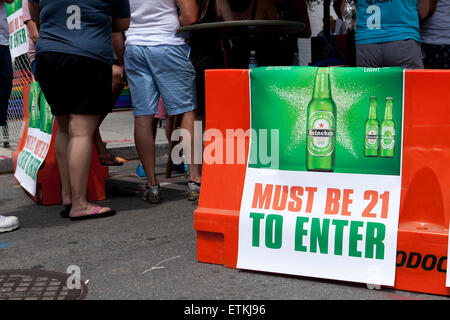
(372, 130)
(34, 105)
(321, 125)
(46, 115)
(388, 131)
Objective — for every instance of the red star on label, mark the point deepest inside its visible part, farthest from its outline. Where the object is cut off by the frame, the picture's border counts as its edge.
(321, 125)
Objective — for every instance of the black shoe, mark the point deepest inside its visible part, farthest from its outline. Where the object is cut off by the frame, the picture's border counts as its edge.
(65, 213)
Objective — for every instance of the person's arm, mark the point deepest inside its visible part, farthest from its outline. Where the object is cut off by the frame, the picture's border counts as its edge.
(426, 8)
(219, 9)
(302, 13)
(202, 8)
(33, 30)
(35, 12)
(118, 43)
(188, 12)
(339, 7)
(120, 17)
(120, 24)
(31, 26)
(270, 10)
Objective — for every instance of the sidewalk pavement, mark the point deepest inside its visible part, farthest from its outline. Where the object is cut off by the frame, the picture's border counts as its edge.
(116, 130)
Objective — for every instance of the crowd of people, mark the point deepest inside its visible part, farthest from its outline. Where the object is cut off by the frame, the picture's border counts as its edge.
(408, 33)
(68, 39)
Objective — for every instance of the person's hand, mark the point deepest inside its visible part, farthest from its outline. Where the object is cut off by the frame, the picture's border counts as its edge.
(119, 74)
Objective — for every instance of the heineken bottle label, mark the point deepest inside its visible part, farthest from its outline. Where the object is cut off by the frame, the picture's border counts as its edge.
(46, 117)
(372, 137)
(321, 133)
(387, 137)
(34, 118)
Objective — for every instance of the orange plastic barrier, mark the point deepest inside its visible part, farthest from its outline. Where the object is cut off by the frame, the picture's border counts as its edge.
(25, 122)
(217, 217)
(48, 189)
(425, 201)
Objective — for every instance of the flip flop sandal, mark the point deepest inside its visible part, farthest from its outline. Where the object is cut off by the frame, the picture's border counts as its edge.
(112, 161)
(94, 214)
(65, 213)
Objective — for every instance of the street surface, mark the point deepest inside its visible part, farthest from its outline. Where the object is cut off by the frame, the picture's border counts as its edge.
(148, 252)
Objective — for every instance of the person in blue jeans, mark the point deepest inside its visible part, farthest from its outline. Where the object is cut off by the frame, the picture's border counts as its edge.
(387, 32)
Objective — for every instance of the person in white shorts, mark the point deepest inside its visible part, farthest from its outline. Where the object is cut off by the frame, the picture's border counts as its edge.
(157, 65)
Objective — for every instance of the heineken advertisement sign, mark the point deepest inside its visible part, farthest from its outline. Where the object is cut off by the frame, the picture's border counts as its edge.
(322, 187)
(18, 42)
(37, 142)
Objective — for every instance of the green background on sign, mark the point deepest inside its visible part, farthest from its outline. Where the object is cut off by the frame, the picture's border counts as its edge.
(45, 115)
(13, 7)
(279, 100)
(33, 105)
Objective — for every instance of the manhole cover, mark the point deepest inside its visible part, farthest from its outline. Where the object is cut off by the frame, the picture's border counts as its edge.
(37, 285)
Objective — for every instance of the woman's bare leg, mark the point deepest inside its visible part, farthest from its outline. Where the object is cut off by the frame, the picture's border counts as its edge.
(61, 147)
(145, 146)
(117, 87)
(79, 152)
(187, 123)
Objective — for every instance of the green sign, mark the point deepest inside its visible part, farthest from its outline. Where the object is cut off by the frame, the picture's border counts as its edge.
(322, 188)
(13, 7)
(37, 143)
(296, 101)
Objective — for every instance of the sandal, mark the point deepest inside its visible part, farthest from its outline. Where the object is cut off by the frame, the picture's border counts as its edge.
(65, 213)
(112, 161)
(94, 214)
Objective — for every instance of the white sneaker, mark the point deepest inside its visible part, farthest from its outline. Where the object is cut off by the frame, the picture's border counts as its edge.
(193, 191)
(8, 223)
(152, 194)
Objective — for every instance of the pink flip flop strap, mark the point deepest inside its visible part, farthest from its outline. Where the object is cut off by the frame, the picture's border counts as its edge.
(96, 210)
